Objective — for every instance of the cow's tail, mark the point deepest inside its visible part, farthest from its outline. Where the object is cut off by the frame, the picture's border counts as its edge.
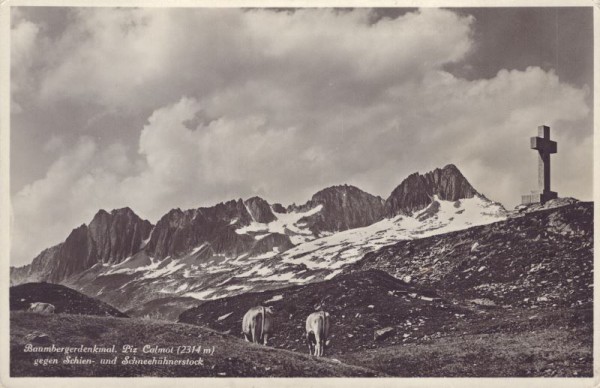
(262, 326)
(322, 324)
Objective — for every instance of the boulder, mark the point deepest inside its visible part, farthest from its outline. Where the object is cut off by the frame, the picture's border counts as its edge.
(382, 334)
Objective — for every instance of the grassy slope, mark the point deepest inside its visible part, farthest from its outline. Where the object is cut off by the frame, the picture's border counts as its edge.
(167, 308)
(232, 356)
(547, 353)
(518, 343)
(448, 341)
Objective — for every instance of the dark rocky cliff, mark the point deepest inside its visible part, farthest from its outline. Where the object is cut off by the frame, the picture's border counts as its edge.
(180, 231)
(343, 207)
(260, 210)
(416, 191)
(109, 238)
(118, 235)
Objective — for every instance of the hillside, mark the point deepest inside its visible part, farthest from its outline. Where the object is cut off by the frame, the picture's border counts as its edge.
(359, 304)
(543, 258)
(232, 357)
(167, 308)
(65, 300)
(512, 298)
(402, 329)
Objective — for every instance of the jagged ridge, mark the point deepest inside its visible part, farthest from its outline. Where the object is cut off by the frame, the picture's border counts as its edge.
(214, 232)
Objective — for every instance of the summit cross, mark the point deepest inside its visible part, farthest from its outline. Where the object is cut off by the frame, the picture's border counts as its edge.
(545, 148)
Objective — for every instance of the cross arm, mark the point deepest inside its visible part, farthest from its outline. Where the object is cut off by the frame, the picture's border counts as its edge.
(543, 145)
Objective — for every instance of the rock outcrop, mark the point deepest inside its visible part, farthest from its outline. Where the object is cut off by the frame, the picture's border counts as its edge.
(277, 241)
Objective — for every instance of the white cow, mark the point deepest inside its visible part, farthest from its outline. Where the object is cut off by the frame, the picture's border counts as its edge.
(257, 324)
(317, 330)
(43, 308)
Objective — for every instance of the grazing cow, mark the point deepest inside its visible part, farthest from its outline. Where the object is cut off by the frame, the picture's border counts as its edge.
(43, 308)
(257, 324)
(317, 330)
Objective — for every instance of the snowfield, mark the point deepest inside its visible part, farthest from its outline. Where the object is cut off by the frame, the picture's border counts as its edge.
(343, 248)
(284, 224)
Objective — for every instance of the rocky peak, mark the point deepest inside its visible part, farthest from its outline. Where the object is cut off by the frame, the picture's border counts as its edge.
(339, 191)
(227, 212)
(343, 207)
(416, 191)
(168, 232)
(179, 231)
(260, 210)
(109, 238)
(118, 235)
(76, 254)
(411, 195)
(449, 184)
(123, 210)
(101, 214)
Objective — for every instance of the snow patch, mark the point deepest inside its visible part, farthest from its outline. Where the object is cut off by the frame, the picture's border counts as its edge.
(182, 287)
(198, 248)
(333, 274)
(202, 295)
(233, 288)
(129, 271)
(224, 316)
(274, 299)
(257, 270)
(168, 269)
(285, 223)
(145, 242)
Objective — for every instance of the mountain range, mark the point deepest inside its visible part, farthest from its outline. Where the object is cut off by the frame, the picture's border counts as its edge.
(252, 245)
(421, 307)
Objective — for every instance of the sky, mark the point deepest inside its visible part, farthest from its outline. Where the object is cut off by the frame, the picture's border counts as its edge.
(162, 108)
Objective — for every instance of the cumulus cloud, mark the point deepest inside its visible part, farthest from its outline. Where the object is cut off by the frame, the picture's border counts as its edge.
(277, 104)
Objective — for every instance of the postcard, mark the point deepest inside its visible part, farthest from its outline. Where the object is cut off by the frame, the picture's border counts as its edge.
(384, 194)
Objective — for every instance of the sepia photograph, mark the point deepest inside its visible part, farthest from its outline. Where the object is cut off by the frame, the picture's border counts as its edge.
(250, 191)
